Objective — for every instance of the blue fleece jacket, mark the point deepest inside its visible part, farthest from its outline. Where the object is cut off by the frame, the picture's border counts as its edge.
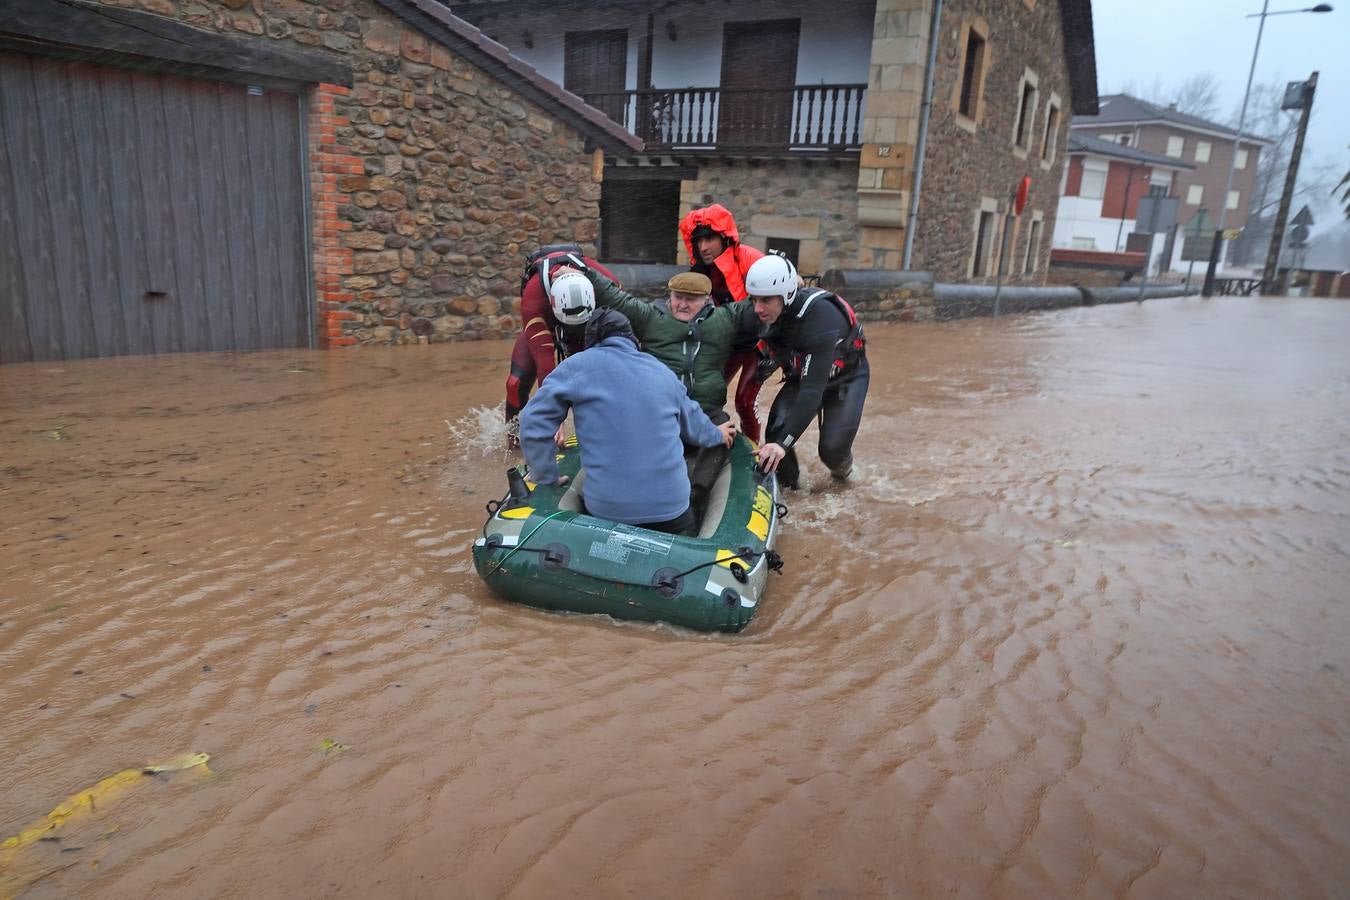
(632, 417)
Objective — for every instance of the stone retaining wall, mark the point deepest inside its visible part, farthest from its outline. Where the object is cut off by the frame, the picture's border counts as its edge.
(888, 296)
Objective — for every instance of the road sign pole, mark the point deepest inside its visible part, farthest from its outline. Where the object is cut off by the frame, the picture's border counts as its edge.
(1270, 278)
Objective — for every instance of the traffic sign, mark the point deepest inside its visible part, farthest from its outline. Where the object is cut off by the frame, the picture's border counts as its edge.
(1156, 214)
(1298, 235)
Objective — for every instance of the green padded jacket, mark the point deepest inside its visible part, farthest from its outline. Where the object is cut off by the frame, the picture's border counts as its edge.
(697, 350)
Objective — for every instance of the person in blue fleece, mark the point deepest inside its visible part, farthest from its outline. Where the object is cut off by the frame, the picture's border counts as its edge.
(632, 417)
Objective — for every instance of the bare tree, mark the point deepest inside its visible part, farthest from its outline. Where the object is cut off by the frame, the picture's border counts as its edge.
(1196, 95)
(1344, 183)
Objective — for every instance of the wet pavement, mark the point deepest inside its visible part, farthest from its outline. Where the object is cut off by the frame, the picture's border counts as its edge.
(1077, 627)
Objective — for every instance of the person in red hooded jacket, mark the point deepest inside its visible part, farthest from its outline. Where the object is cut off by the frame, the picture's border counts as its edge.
(715, 250)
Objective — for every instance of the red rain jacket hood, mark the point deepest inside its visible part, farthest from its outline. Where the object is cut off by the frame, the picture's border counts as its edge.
(736, 260)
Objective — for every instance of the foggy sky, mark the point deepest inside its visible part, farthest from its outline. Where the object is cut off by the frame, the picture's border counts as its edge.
(1140, 40)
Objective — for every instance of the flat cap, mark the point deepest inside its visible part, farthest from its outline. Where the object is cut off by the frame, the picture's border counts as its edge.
(691, 283)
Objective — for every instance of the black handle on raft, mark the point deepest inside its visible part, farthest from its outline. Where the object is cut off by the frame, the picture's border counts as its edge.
(519, 493)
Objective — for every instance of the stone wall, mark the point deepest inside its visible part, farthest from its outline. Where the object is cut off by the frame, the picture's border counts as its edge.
(812, 201)
(967, 161)
(429, 178)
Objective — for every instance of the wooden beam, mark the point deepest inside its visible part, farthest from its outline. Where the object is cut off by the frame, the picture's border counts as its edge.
(75, 29)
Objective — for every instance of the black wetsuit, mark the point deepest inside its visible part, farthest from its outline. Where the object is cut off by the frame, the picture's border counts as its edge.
(820, 346)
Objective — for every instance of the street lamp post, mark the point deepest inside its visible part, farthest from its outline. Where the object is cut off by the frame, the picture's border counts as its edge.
(1216, 249)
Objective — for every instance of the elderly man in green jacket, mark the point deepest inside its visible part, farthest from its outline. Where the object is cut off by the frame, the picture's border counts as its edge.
(693, 338)
(685, 331)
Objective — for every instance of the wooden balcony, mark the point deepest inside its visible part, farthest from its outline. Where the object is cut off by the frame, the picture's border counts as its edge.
(807, 117)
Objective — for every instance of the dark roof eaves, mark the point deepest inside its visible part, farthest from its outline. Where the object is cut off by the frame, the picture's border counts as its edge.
(439, 23)
(1080, 54)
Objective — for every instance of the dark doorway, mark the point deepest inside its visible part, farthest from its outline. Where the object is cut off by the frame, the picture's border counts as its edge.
(640, 221)
(595, 68)
(759, 72)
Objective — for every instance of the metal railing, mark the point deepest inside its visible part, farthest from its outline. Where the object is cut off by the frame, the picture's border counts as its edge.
(819, 116)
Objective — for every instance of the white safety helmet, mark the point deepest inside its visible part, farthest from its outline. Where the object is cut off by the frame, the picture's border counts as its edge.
(772, 276)
(572, 298)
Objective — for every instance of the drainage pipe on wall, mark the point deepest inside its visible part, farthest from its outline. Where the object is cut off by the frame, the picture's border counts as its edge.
(934, 32)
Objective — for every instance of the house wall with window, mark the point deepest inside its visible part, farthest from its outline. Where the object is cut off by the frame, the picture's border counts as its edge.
(687, 39)
(1099, 202)
(1210, 154)
(996, 119)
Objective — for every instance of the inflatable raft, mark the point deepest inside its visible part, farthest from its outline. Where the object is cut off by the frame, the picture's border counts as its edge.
(539, 547)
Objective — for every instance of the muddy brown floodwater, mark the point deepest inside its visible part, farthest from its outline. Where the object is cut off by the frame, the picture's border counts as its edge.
(1080, 626)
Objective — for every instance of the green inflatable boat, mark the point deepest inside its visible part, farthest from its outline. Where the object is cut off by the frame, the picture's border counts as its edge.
(539, 547)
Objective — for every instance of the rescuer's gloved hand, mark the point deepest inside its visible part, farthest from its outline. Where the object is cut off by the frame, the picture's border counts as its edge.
(764, 369)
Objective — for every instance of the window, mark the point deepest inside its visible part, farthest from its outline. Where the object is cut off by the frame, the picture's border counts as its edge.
(968, 100)
(1195, 194)
(1050, 137)
(1242, 158)
(984, 241)
(1175, 146)
(1032, 258)
(1026, 110)
(1094, 184)
(1234, 197)
(1202, 149)
(789, 247)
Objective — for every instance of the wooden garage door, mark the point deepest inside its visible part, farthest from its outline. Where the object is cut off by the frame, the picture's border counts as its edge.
(146, 213)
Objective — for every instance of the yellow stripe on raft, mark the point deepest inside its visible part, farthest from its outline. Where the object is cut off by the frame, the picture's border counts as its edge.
(727, 557)
(519, 512)
(758, 526)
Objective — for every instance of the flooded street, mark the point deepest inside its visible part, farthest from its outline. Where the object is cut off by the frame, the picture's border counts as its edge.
(1077, 627)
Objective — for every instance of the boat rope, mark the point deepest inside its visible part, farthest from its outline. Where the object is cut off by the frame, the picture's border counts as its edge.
(520, 545)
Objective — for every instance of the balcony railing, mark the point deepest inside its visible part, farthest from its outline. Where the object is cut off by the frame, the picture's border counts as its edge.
(806, 117)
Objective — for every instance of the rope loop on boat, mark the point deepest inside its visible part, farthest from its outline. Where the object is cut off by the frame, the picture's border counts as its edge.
(497, 565)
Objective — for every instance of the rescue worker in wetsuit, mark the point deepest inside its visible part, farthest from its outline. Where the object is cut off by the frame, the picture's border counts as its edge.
(815, 337)
(715, 250)
(549, 335)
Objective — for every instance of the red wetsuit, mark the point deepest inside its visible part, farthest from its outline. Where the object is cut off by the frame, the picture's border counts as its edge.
(541, 343)
(727, 274)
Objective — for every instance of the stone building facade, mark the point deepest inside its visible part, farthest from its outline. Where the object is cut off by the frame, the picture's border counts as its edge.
(431, 173)
(1003, 95)
(1009, 75)
(807, 203)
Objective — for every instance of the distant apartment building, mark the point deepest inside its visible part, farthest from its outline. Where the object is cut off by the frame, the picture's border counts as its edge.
(1200, 150)
(1099, 202)
(803, 119)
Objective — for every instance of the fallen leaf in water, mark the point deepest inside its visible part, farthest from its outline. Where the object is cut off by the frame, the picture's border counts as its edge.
(328, 745)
